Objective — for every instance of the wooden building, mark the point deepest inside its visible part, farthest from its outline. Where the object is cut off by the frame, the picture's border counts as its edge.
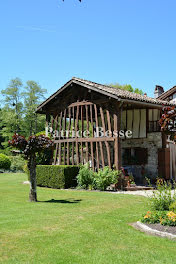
(81, 107)
(170, 96)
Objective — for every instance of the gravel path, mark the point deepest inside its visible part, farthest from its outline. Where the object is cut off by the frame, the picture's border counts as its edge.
(147, 193)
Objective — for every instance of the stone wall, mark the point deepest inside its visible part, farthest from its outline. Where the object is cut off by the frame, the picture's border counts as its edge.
(153, 142)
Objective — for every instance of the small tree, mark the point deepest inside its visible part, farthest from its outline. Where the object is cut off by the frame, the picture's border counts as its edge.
(168, 121)
(29, 147)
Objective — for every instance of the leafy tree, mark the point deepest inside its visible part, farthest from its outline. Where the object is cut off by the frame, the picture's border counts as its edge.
(7, 124)
(1, 127)
(13, 101)
(127, 87)
(14, 117)
(29, 148)
(33, 95)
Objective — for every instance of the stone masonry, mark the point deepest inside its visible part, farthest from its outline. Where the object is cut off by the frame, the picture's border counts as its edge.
(153, 142)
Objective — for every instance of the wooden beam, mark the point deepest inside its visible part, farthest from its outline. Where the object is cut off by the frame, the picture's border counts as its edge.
(119, 150)
(80, 103)
(92, 155)
(52, 123)
(68, 145)
(115, 143)
(60, 146)
(56, 123)
(100, 143)
(76, 129)
(73, 127)
(91, 143)
(64, 128)
(87, 125)
(56, 153)
(79, 140)
(106, 143)
(47, 123)
(82, 131)
(109, 122)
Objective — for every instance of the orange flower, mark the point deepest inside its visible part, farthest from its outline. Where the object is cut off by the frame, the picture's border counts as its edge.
(146, 216)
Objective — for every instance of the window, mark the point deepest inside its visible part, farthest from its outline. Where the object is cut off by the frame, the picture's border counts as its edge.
(135, 156)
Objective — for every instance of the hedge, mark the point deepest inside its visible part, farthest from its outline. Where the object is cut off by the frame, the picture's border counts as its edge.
(57, 176)
(4, 162)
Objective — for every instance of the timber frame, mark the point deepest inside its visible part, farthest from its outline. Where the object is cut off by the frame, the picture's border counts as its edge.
(83, 106)
(81, 116)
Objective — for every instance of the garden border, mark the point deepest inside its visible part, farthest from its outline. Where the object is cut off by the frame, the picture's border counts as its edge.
(142, 227)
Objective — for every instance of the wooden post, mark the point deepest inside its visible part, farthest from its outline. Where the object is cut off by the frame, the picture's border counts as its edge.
(91, 143)
(106, 143)
(115, 142)
(118, 151)
(56, 153)
(64, 128)
(68, 145)
(73, 127)
(76, 129)
(60, 145)
(87, 125)
(100, 143)
(47, 124)
(82, 131)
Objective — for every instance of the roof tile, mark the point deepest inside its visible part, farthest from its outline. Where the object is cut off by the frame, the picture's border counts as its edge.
(123, 94)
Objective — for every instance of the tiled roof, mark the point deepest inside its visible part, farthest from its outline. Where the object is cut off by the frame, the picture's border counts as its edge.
(123, 94)
(116, 93)
(165, 95)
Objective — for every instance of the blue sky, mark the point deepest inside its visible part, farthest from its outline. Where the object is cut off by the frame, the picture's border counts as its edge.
(124, 41)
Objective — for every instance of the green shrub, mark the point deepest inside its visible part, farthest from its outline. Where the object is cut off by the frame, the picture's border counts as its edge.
(85, 177)
(88, 179)
(172, 207)
(4, 162)
(105, 177)
(6, 151)
(162, 198)
(56, 176)
(26, 170)
(17, 163)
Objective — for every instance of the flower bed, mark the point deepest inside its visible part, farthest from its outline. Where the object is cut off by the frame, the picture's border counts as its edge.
(162, 205)
(162, 217)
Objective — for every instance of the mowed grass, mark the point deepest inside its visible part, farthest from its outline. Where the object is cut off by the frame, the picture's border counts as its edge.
(74, 227)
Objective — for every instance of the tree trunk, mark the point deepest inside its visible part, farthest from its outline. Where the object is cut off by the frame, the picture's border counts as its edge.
(33, 184)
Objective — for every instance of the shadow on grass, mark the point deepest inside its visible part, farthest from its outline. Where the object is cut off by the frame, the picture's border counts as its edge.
(70, 201)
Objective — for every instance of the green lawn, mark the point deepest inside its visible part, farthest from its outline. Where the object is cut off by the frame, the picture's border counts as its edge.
(74, 227)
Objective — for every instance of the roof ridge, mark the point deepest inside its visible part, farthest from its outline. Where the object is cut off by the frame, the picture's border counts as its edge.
(109, 86)
(116, 93)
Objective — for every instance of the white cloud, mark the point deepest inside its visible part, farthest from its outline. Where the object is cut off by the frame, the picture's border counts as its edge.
(36, 29)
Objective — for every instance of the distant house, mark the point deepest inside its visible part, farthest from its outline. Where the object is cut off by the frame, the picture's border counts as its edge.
(169, 95)
(82, 105)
